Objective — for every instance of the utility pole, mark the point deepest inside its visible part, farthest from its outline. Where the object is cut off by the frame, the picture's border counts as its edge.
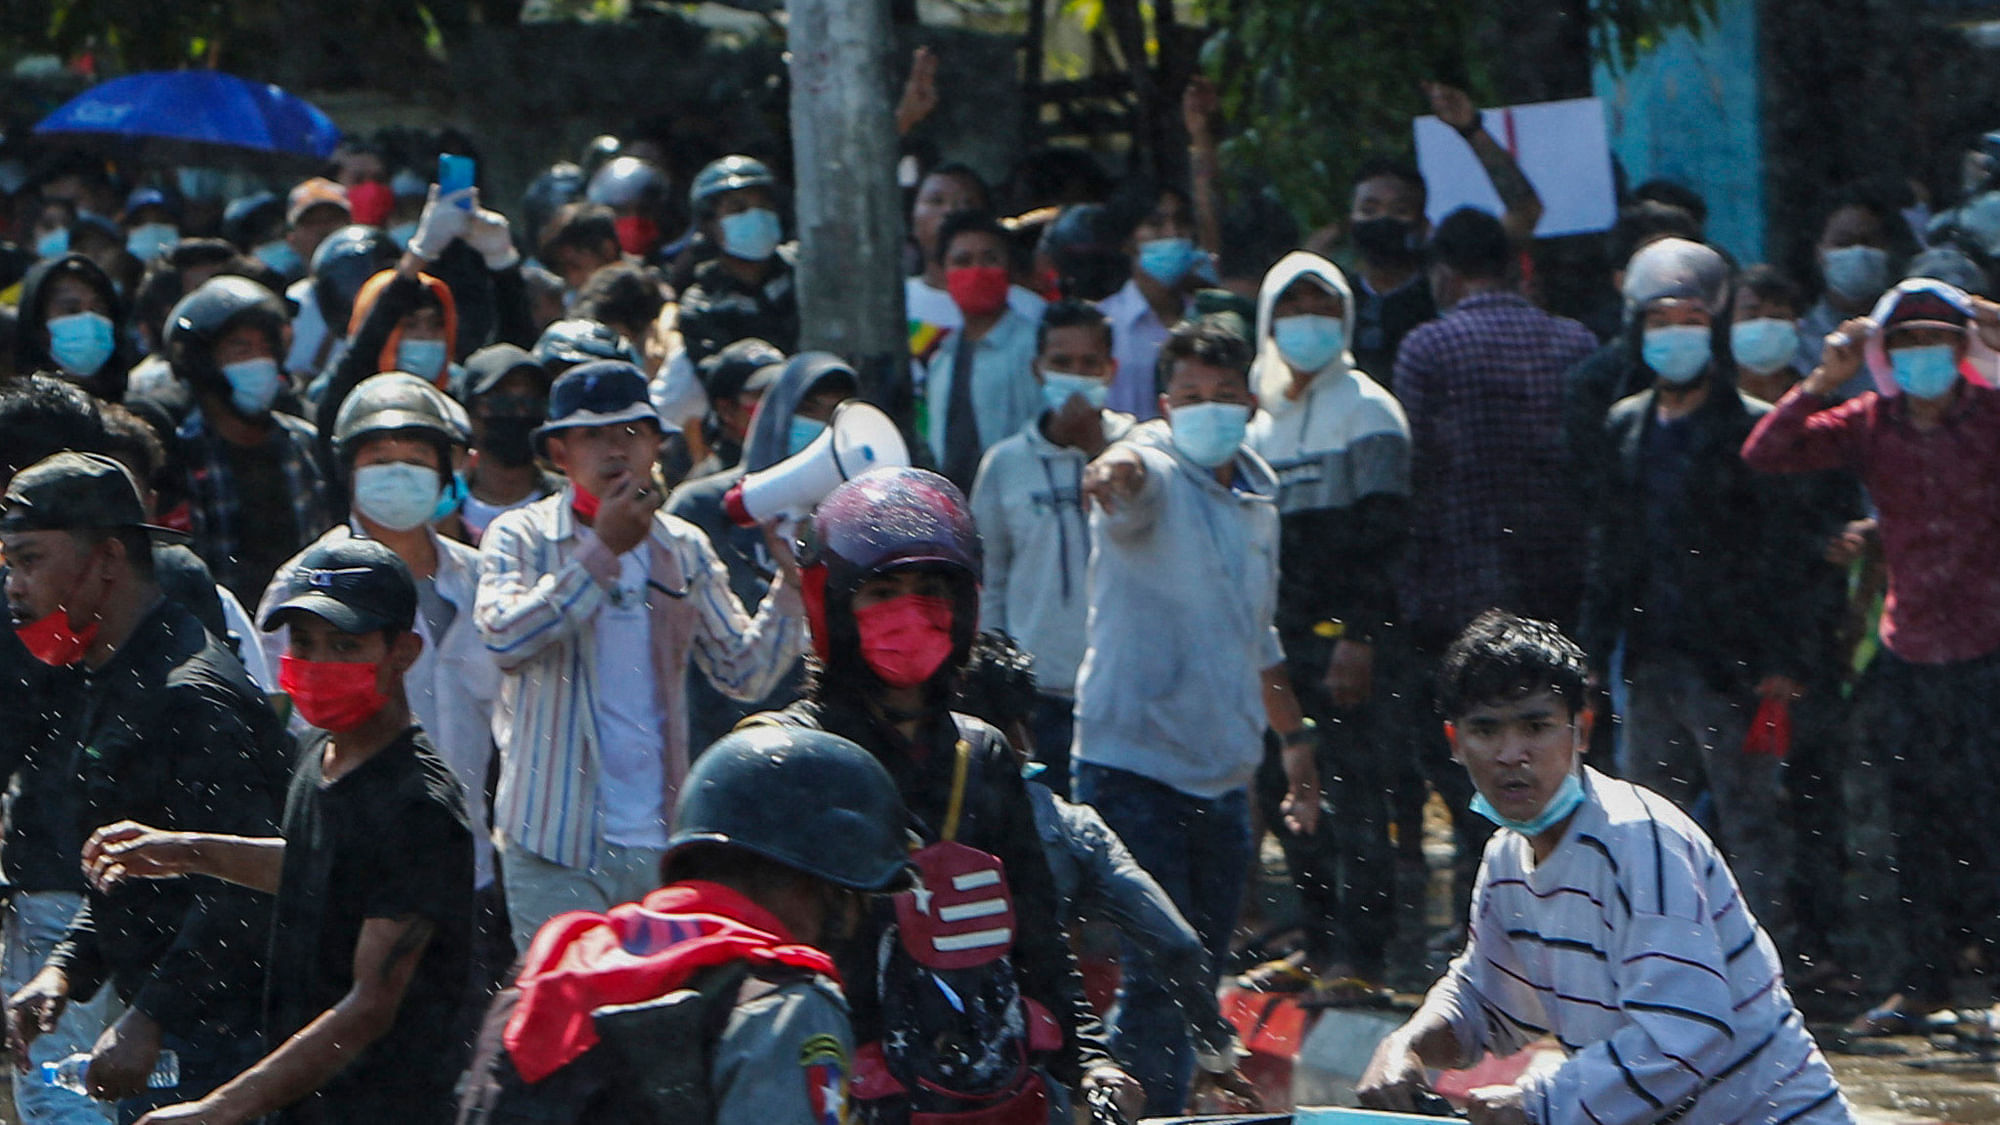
(850, 219)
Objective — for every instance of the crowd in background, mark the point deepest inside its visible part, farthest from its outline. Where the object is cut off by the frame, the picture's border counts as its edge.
(1763, 517)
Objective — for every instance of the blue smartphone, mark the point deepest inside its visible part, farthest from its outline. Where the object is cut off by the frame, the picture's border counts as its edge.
(455, 173)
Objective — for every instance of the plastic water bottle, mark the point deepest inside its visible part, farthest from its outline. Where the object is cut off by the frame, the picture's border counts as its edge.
(68, 1074)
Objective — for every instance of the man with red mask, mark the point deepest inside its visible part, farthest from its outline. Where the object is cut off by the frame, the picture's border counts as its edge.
(371, 870)
(173, 733)
(594, 602)
(892, 566)
(981, 385)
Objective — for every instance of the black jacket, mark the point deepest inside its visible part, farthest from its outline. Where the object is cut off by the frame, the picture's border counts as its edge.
(998, 819)
(174, 734)
(718, 310)
(1742, 542)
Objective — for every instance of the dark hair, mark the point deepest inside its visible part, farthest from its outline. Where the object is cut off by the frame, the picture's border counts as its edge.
(1257, 230)
(1770, 285)
(1380, 166)
(578, 226)
(740, 869)
(963, 171)
(138, 544)
(42, 415)
(620, 293)
(1503, 657)
(1645, 221)
(975, 222)
(1884, 199)
(1217, 340)
(1673, 194)
(1472, 244)
(132, 440)
(1140, 197)
(1071, 313)
(998, 684)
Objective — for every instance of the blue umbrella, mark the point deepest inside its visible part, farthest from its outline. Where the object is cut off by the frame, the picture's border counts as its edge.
(194, 116)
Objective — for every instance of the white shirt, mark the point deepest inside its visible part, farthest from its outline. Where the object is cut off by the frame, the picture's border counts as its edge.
(1136, 336)
(631, 782)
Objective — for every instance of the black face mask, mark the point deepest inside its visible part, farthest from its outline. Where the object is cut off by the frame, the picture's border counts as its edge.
(508, 441)
(1386, 239)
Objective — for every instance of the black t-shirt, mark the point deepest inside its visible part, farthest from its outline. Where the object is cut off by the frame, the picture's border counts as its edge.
(264, 512)
(389, 839)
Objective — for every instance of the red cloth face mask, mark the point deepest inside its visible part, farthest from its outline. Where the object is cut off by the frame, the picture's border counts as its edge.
(977, 290)
(583, 502)
(369, 203)
(637, 234)
(905, 639)
(52, 641)
(330, 695)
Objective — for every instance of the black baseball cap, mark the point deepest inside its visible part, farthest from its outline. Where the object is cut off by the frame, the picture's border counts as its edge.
(486, 367)
(604, 393)
(355, 585)
(73, 491)
(746, 365)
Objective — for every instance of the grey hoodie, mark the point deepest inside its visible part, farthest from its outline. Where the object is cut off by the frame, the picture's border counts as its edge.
(1183, 587)
(1027, 501)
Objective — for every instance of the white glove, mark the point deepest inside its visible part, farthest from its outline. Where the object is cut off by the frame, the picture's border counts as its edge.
(487, 232)
(443, 220)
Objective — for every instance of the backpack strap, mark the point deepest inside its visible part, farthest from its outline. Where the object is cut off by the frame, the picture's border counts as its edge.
(955, 807)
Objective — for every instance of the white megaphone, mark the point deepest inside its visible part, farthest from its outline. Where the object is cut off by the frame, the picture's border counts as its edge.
(859, 438)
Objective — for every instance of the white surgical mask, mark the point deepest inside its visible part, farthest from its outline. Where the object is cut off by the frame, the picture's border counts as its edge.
(396, 495)
(1677, 353)
(81, 342)
(752, 235)
(253, 385)
(1209, 433)
(1059, 387)
(1309, 342)
(149, 240)
(1763, 345)
(423, 358)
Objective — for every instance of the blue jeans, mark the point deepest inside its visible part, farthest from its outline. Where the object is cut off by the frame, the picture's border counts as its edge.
(34, 923)
(1199, 850)
(1053, 725)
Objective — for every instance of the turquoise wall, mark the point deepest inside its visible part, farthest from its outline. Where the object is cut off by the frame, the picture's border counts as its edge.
(1688, 111)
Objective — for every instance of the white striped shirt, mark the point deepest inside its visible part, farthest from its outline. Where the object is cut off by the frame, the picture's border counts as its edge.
(540, 586)
(1632, 947)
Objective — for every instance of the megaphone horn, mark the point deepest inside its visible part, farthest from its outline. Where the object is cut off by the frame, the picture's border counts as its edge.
(859, 438)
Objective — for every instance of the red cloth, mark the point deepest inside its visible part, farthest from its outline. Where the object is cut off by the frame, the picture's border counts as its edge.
(580, 962)
(1770, 729)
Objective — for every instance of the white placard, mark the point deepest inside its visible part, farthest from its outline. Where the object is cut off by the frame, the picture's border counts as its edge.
(1562, 147)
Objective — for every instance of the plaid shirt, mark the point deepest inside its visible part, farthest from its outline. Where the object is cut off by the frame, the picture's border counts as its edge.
(1495, 517)
(214, 498)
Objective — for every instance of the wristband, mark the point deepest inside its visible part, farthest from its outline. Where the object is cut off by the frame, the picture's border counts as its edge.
(1307, 734)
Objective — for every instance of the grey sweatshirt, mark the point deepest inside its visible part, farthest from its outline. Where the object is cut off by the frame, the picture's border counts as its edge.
(1183, 587)
(1027, 501)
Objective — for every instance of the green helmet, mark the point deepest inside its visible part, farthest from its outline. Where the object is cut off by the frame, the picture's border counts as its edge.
(800, 797)
(731, 173)
(396, 402)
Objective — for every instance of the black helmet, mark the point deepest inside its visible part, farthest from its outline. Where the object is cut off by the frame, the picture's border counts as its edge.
(731, 173)
(884, 520)
(800, 797)
(567, 343)
(1087, 249)
(546, 194)
(345, 260)
(247, 218)
(627, 181)
(393, 402)
(201, 318)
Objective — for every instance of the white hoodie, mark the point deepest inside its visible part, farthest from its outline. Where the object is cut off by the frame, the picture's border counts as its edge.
(1346, 436)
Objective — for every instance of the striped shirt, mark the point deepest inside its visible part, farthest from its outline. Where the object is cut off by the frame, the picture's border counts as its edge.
(1631, 946)
(541, 584)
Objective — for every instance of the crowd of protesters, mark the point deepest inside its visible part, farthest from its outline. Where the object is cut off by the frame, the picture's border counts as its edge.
(377, 599)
